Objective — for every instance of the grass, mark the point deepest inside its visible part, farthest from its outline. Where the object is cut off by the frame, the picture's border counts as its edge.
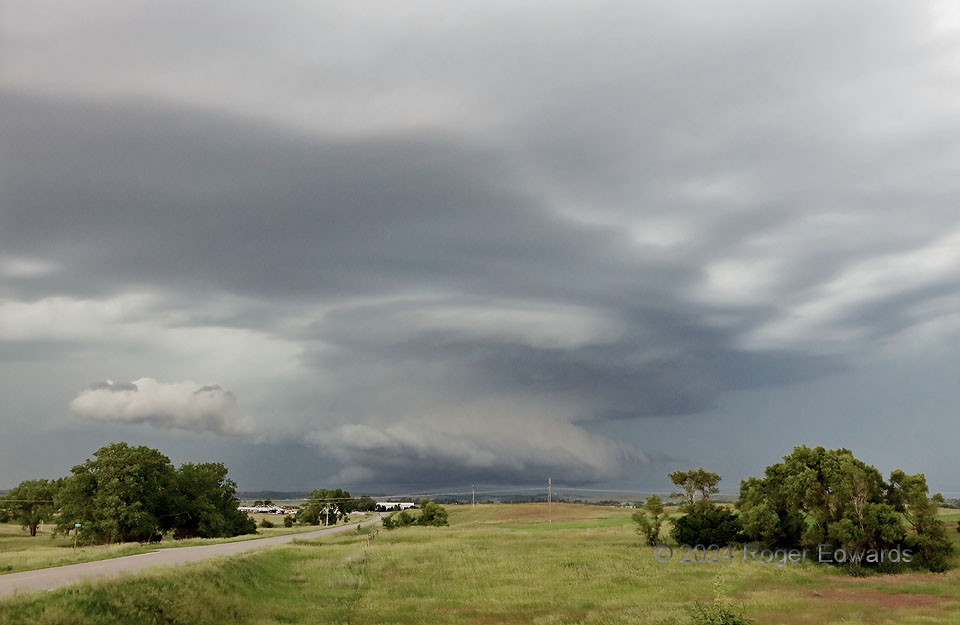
(21, 552)
(494, 564)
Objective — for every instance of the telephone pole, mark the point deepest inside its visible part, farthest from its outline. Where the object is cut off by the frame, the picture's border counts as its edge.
(474, 496)
(550, 499)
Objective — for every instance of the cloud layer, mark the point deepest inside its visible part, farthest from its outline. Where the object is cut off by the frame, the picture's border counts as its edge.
(475, 242)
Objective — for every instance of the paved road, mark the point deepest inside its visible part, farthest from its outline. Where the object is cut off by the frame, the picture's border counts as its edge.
(55, 577)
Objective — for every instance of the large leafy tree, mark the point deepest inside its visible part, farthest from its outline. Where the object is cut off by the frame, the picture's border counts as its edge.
(31, 503)
(819, 495)
(204, 504)
(130, 493)
(123, 494)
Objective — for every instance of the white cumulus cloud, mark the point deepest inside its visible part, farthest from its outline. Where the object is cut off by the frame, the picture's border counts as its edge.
(180, 405)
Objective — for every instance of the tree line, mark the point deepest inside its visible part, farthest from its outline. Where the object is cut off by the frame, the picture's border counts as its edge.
(127, 494)
(815, 496)
(431, 514)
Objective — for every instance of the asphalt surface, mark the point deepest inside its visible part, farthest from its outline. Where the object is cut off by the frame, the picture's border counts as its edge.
(55, 577)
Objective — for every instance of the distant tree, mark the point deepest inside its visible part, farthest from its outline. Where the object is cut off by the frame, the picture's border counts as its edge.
(431, 514)
(288, 521)
(365, 504)
(31, 503)
(650, 518)
(325, 504)
(266, 523)
(693, 482)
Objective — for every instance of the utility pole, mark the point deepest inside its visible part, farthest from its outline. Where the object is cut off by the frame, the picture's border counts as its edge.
(474, 495)
(550, 499)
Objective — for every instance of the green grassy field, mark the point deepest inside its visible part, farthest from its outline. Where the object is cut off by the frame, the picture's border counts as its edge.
(21, 552)
(494, 564)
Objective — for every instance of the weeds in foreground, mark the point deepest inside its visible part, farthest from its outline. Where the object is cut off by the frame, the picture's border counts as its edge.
(720, 612)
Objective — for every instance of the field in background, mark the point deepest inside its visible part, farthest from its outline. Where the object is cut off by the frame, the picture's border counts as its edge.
(21, 552)
(494, 564)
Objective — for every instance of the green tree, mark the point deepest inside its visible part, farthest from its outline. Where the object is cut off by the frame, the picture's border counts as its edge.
(822, 496)
(693, 482)
(704, 521)
(31, 503)
(365, 504)
(767, 515)
(325, 504)
(431, 514)
(908, 495)
(650, 518)
(123, 494)
(204, 504)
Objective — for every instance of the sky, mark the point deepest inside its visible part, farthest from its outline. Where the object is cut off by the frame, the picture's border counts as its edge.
(402, 246)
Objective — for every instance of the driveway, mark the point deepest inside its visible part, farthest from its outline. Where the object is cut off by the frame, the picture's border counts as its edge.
(55, 577)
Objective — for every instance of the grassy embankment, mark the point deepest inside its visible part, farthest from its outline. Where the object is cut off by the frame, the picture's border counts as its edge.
(21, 552)
(494, 564)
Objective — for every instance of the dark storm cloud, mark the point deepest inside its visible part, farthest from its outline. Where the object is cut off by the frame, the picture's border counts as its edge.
(198, 201)
(480, 232)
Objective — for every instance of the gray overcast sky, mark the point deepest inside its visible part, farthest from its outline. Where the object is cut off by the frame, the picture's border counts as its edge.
(392, 245)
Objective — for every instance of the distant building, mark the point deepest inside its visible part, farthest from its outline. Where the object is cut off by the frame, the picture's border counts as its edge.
(391, 506)
(269, 509)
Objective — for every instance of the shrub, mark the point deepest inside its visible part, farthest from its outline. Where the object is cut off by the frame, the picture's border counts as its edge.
(431, 514)
(931, 552)
(266, 523)
(288, 521)
(708, 526)
(650, 518)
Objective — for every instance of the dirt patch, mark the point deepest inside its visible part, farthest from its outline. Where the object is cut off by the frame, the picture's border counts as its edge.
(887, 601)
(896, 579)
